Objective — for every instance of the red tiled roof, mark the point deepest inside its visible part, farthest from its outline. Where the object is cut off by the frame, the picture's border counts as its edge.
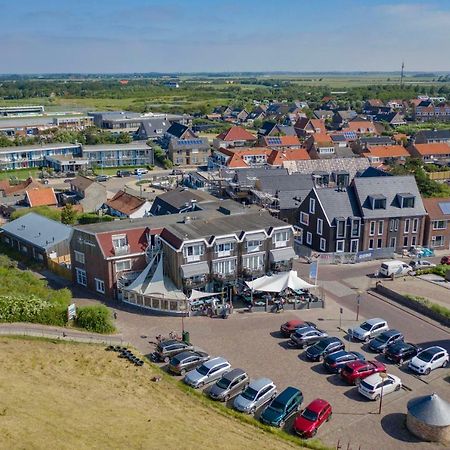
(318, 123)
(375, 102)
(277, 157)
(386, 151)
(436, 148)
(322, 138)
(284, 140)
(433, 209)
(236, 134)
(11, 189)
(360, 126)
(41, 197)
(125, 203)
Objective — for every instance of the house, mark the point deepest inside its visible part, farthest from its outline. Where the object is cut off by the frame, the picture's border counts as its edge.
(124, 204)
(427, 111)
(239, 115)
(304, 126)
(391, 118)
(341, 118)
(277, 111)
(189, 152)
(179, 131)
(43, 196)
(116, 120)
(385, 153)
(38, 238)
(180, 201)
(371, 104)
(153, 128)
(90, 194)
(432, 137)
(259, 113)
(323, 114)
(437, 223)
(275, 129)
(361, 127)
(279, 142)
(362, 143)
(430, 153)
(7, 189)
(319, 145)
(234, 137)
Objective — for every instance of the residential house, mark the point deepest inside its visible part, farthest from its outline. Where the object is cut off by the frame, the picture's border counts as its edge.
(38, 238)
(361, 144)
(275, 129)
(323, 114)
(239, 115)
(258, 114)
(90, 194)
(116, 120)
(432, 137)
(7, 189)
(42, 196)
(427, 111)
(342, 118)
(320, 145)
(386, 153)
(279, 142)
(153, 128)
(304, 127)
(124, 205)
(392, 118)
(437, 223)
(430, 153)
(361, 127)
(189, 152)
(371, 105)
(234, 137)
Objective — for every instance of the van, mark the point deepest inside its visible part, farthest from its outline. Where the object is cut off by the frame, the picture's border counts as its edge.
(396, 268)
(140, 171)
(123, 173)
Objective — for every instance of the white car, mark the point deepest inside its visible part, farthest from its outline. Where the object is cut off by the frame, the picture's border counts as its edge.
(429, 359)
(371, 386)
(421, 264)
(208, 372)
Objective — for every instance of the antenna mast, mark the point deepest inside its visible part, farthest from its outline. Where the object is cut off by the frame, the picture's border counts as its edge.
(401, 75)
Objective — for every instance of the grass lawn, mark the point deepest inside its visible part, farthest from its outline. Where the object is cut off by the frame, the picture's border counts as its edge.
(21, 174)
(68, 395)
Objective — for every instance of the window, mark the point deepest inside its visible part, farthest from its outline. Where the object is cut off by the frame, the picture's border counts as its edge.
(408, 202)
(99, 286)
(253, 246)
(225, 267)
(319, 227)
(224, 249)
(312, 206)
(254, 262)
(370, 244)
(439, 224)
(79, 257)
(407, 223)
(392, 225)
(323, 244)
(405, 241)
(372, 228)
(340, 245)
(119, 241)
(415, 225)
(304, 218)
(280, 238)
(379, 242)
(355, 227)
(393, 242)
(413, 241)
(354, 245)
(380, 227)
(193, 252)
(309, 238)
(340, 228)
(437, 241)
(123, 265)
(81, 276)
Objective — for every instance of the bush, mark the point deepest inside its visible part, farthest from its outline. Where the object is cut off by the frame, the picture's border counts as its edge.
(86, 218)
(440, 270)
(46, 211)
(95, 318)
(439, 309)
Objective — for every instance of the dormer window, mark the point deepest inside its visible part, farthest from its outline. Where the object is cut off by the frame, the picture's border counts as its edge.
(377, 201)
(406, 200)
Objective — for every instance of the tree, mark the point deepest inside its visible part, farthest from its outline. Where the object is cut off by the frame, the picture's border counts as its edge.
(68, 214)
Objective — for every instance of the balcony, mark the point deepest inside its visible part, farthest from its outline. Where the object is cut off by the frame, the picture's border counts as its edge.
(219, 276)
(253, 273)
(195, 282)
(280, 244)
(122, 250)
(281, 266)
(193, 258)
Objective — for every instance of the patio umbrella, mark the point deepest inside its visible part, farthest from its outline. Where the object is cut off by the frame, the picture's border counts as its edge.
(279, 282)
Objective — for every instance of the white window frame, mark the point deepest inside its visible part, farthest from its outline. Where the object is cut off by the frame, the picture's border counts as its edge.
(380, 227)
(319, 227)
(79, 257)
(193, 252)
(340, 246)
(413, 241)
(308, 237)
(253, 262)
(352, 241)
(323, 244)
(312, 206)
(119, 241)
(439, 224)
(379, 243)
(304, 218)
(369, 246)
(224, 249)
(253, 245)
(337, 229)
(407, 226)
(415, 226)
(81, 276)
(123, 261)
(226, 266)
(99, 285)
(393, 240)
(372, 227)
(281, 238)
(355, 221)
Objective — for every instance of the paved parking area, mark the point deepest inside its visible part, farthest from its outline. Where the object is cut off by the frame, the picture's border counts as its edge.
(252, 341)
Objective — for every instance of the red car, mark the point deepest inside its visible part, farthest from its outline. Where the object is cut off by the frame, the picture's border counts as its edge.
(355, 371)
(445, 260)
(289, 327)
(314, 415)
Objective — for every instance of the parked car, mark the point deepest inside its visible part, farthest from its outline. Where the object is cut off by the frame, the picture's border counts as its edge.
(312, 417)
(231, 383)
(421, 264)
(368, 329)
(355, 371)
(335, 361)
(372, 386)
(445, 260)
(208, 372)
(429, 359)
(101, 178)
(324, 347)
(185, 361)
(290, 327)
(384, 339)
(177, 172)
(401, 351)
(304, 337)
(167, 349)
(282, 407)
(394, 268)
(257, 393)
(123, 173)
(140, 171)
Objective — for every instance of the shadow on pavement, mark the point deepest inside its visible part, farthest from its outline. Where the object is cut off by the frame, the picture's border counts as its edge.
(353, 394)
(278, 335)
(318, 368)
(336, 380)
(395, 426)
(286, 346)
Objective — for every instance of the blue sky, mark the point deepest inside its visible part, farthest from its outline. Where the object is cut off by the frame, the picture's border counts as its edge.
(211, 35)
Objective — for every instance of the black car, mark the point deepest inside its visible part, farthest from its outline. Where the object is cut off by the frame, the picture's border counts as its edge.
(185, 361)
(324, 347)
(336, 361)
(167, 349)
(123, 173)
(401, 351)
(383, 340)
(305, 337)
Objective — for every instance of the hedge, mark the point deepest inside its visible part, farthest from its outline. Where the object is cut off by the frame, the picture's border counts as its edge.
(95, 318)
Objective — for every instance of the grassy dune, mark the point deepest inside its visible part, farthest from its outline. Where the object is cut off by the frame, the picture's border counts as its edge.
(67, 396)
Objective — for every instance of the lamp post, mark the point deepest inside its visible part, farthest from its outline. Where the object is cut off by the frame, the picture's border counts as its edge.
(383, 376)
(358, 301)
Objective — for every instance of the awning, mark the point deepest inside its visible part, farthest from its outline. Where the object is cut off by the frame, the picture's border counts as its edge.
(225, 240)
(279, 282)
(282, 254)
(192, 270)
(197, 295)
(255, 236)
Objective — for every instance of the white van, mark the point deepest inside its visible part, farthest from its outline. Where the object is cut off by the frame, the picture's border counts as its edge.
(140, 171)
(396, 268)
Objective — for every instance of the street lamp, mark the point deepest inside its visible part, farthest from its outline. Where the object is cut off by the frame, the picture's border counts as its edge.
(383, 376)
(358, 301)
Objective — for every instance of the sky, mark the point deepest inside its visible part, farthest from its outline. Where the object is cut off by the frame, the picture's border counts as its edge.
(60, 36)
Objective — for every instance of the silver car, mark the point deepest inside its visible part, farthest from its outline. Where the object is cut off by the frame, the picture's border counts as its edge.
(230, 384)
(258, 393)
(368, 329)
(208, 372)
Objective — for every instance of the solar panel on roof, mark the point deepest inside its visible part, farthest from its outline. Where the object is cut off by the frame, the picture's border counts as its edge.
(445, 207)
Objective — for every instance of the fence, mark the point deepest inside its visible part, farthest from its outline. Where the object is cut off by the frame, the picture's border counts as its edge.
(59, 269)
(439, 175)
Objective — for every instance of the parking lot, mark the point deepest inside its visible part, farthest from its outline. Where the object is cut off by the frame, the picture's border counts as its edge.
(252, 341)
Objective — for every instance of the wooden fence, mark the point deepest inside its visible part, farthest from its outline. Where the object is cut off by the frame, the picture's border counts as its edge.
(55, 265)
(439, 175)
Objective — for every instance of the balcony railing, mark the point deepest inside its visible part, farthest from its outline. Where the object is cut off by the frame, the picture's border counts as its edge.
(224, 276)
(195, 281)
(122, 250)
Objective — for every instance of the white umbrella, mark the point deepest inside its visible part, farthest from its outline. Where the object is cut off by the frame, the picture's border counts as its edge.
(279, 282)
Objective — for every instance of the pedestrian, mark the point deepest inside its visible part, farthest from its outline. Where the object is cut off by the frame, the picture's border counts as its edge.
(115, 315)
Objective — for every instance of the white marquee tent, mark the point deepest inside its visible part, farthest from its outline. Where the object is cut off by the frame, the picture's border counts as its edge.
(279, 282)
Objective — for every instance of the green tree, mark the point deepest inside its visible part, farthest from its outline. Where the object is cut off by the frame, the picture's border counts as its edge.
(68, 214)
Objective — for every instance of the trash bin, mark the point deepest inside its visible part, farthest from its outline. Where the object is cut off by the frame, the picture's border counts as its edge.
(186, 337)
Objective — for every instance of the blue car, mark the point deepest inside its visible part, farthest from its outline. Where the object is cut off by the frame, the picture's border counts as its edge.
(282, 407)
(336, 361)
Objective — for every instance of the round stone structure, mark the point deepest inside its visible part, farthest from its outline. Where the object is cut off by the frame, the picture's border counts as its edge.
(428, 418)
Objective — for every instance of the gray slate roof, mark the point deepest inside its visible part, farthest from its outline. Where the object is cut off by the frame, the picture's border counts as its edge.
(38, 230)
(430, 409)
(376, 140)
(151, 125)
(434, 134)
(389, 187)
(25, 148)
(337, 203)
(281, 183)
